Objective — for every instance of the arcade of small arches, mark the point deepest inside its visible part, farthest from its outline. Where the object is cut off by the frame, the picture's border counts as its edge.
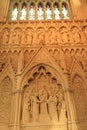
(55, 10)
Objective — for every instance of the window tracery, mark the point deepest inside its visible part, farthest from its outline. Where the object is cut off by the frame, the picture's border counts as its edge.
(43, 10)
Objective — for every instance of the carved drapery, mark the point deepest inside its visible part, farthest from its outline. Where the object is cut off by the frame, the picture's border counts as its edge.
(48, 33)
(43, 100)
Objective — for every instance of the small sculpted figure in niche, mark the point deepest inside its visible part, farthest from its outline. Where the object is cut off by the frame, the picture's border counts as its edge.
(16, 37)
(56, 13)
(44, 116)
(41, 37)
(15, 13)
(65, 36)
(40, 13)
(29, 38)
(65, 12)
(35, 107)
(52, 37)
(32, 13)
(62, 108)
(48, 13)
(52, 107)
(6, 36)
(76, 35)
(23, 13)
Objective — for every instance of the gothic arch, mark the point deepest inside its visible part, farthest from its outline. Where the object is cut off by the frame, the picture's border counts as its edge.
(35, 68)
(42, 78)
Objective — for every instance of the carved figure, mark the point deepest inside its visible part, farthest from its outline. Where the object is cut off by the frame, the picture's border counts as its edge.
(44, 117)
(48, 13)
(23, 13)
(15, 14)
(52, 107)
(64, 35)
(52, 37)
(65, 13)
(35, 107)
(32, 13)
(63, 111)
(56, 13)
(29, 38)
(41, 37)
(40, 13)
(6, 36)
(76, 35)
(16, 37)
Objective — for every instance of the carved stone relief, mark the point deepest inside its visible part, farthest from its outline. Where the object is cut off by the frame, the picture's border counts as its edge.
(41, 36)
(5, 35)
(29, 36)
(16, 37)
(76, 35)
(52, 34)
(43, 100)
(64, 35)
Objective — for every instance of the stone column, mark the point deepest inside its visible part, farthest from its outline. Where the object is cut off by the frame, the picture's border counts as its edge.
(71, 117)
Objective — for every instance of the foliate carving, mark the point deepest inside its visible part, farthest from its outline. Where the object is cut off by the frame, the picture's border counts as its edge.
(5, 100)
(43, 100)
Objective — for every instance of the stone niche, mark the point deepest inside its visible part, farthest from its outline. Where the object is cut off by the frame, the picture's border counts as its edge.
(43, 102)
